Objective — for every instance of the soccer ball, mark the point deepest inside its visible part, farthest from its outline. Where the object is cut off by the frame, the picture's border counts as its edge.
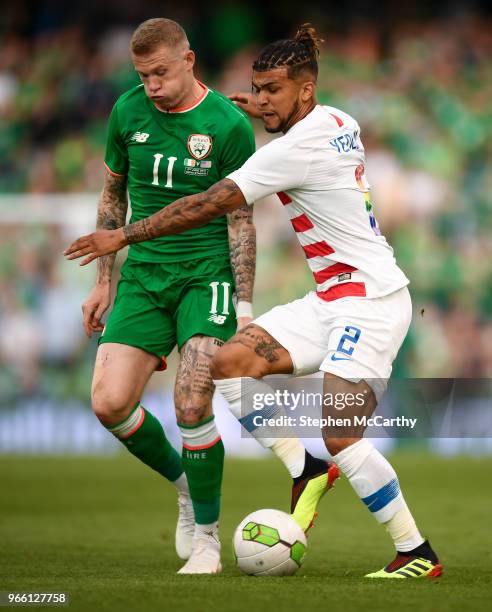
(269, 543)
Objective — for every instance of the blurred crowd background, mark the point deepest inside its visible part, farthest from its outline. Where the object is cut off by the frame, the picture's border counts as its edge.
(419, 81)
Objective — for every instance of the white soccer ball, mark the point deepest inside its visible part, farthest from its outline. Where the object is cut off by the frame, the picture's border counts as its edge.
(269, 543)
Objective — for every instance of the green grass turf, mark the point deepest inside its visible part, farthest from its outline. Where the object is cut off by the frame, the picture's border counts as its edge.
(102, 529)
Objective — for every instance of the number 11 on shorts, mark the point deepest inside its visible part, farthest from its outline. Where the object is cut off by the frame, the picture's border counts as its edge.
(215, 297)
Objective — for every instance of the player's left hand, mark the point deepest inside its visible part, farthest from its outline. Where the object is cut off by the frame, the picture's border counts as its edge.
(247, 102)
(243, 321)
(97, 244)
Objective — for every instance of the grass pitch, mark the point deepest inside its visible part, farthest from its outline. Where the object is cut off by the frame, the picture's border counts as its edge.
(102, 529)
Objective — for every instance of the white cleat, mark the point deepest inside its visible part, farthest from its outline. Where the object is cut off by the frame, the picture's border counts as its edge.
(205, 556)
(185, 527)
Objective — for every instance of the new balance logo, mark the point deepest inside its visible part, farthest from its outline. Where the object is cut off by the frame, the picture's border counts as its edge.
(219, 319)
(140, 137)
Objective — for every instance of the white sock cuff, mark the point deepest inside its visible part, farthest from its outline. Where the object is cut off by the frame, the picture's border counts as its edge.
(206, 530)
(231, 388)
(129, 425)
(181, 483)
(351, 458)
(292, 454)
(240, 393)
(200, 436)
(403, 530)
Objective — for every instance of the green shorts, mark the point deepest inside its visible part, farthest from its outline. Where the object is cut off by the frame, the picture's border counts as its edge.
(159, 305)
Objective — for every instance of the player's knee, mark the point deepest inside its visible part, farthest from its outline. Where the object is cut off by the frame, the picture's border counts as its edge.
(234, 361)
(336, 445)
(189, 419)
(110, 405)
(190, 414)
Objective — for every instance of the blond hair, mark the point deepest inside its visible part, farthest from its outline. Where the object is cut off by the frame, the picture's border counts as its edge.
(155, 32)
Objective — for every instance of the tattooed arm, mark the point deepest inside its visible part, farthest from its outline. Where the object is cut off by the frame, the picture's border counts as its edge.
(191, 211)
(111, 214)
(188, 212)
(242, 248)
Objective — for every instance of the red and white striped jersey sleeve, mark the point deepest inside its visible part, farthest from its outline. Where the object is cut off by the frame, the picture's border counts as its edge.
(317, 170)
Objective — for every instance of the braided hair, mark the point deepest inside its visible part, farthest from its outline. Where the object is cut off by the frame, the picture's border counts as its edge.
(296, 54)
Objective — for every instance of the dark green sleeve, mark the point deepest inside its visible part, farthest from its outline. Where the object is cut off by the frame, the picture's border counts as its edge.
(238, 146)
(116, 158)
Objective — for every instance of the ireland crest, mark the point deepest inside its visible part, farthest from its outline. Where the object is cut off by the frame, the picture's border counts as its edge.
(199, 145)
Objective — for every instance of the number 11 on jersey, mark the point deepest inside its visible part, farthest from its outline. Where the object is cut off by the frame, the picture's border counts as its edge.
(170, 165)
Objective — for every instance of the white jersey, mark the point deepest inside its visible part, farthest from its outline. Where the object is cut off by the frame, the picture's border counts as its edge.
(317, 170)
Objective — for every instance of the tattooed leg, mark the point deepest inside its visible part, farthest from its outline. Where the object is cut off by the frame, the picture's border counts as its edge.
(238, 369)
(203, 451)
(251, 352)
(111, 214)
(194, 388)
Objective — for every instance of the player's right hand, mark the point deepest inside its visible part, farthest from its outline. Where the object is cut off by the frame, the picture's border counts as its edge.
(95, 306)
(246, 101)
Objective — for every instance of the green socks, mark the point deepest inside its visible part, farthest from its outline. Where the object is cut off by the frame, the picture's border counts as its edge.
(203, 463)
(143, 436)
(202, 460)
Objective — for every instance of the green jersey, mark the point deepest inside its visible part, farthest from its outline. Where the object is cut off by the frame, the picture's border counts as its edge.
(168, 155)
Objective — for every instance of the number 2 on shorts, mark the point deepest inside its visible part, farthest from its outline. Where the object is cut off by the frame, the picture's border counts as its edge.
(348, 340)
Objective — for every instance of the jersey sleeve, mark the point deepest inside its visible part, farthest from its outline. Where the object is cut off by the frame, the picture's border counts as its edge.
(239, 145)
(277, 166)
(116, 158)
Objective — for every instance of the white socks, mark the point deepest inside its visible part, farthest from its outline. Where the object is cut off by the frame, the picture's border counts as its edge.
(376, 483)
(181, 484)
(242, 395)
(207, 531)
(291, 453)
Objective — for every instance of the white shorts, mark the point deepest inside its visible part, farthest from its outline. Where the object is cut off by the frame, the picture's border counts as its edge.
(354, 338)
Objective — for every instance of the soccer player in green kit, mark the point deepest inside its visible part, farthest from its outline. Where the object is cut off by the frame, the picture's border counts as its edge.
(169, 137)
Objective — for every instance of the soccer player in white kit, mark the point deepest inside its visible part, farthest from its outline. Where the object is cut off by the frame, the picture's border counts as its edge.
(353, 325)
